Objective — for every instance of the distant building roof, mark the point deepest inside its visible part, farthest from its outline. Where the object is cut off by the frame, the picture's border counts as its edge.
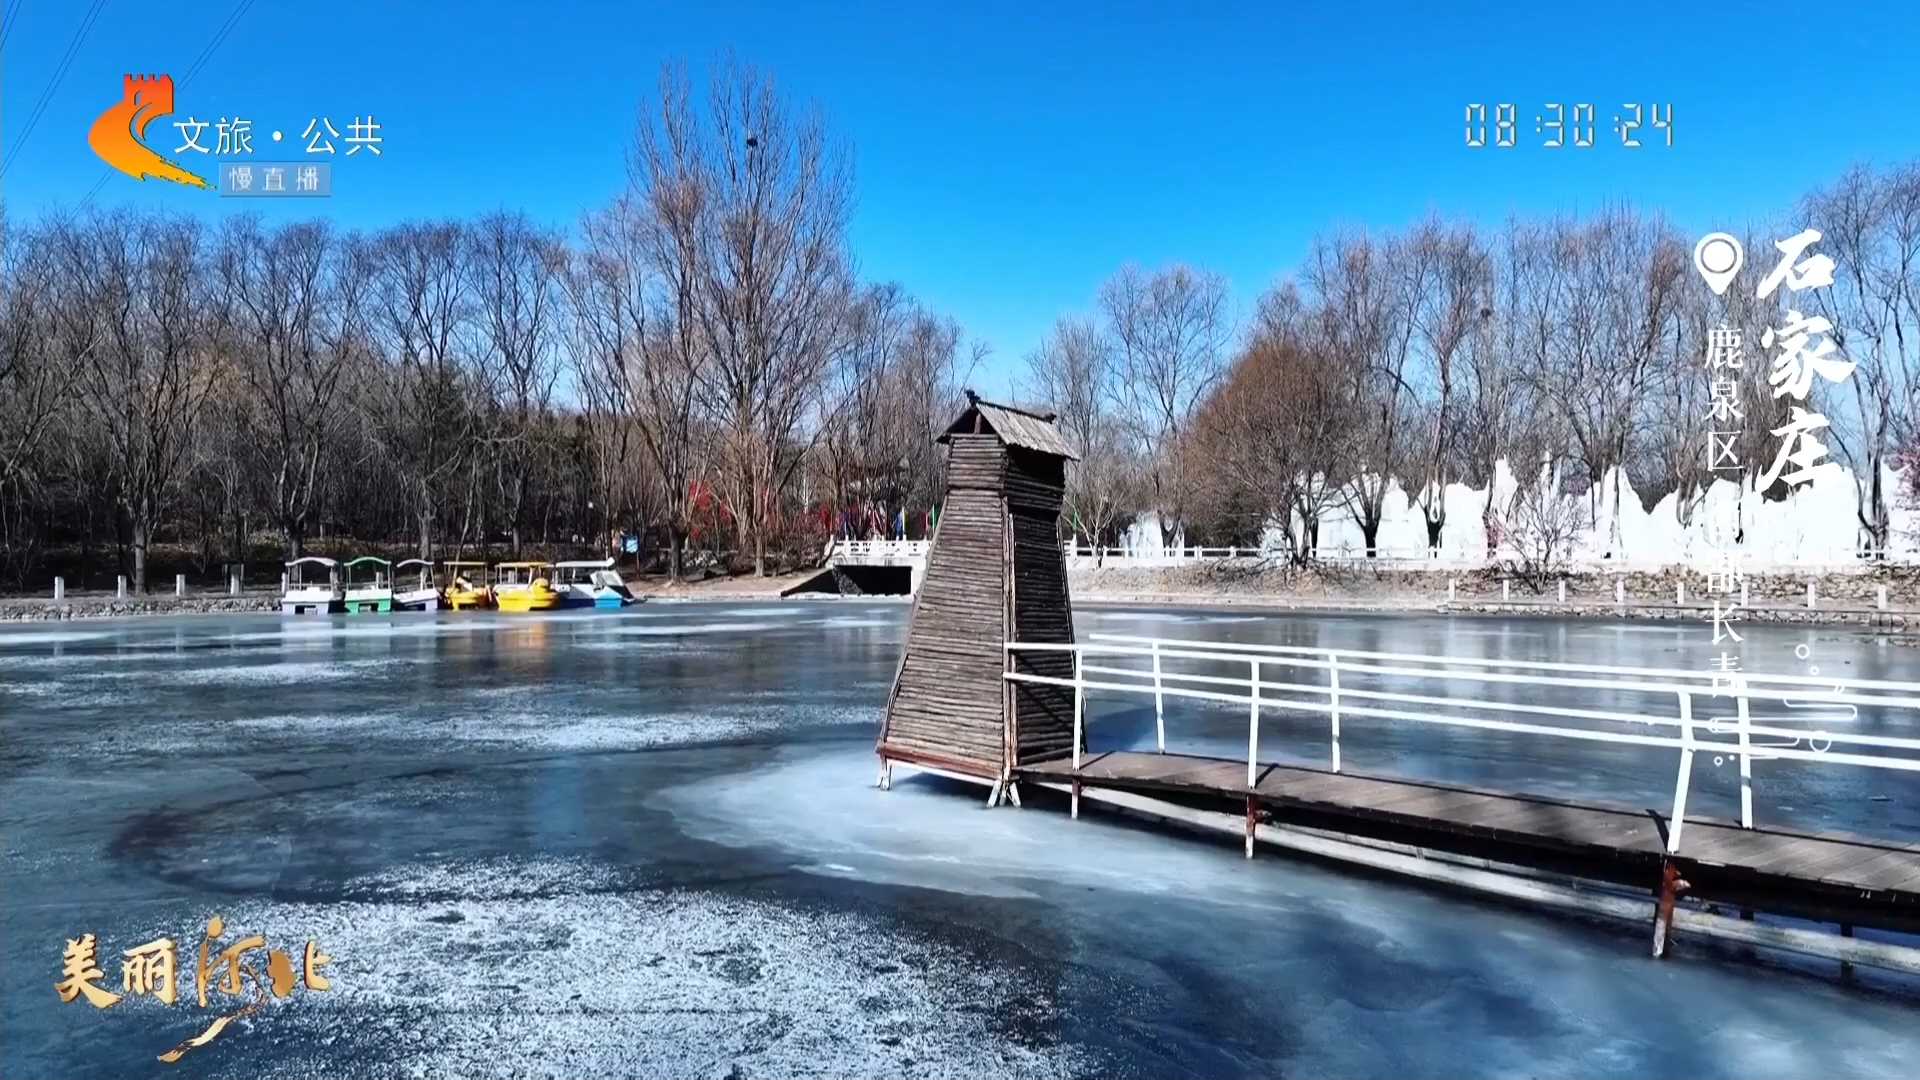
(1015, 426)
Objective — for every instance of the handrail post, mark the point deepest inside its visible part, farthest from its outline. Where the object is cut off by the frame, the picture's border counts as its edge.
(1686, 773)
(1079, 707)
(1253, 723)
(1333, 702)
(1159, 702)
(1746, 752)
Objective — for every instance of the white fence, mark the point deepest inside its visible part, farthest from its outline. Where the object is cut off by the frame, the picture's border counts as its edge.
(1781, 559)
(1670, 716)
(877, 549)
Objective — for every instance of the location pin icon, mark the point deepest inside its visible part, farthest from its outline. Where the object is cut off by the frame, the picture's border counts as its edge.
(1718, 257)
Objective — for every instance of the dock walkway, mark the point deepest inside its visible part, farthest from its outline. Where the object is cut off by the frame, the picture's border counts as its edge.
(1830, 877)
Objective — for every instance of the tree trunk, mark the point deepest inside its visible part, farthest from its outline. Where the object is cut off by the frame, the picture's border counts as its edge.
(140, 553)
(674, 545)
(426, 534)
(1880, 516)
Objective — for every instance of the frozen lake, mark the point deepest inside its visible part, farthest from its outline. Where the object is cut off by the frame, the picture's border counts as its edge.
(647, 843)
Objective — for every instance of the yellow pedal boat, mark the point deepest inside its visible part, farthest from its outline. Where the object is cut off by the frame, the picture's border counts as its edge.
(524, 586)
(465, 586)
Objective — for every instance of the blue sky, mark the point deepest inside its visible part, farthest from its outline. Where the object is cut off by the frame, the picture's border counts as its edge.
(1008, 161)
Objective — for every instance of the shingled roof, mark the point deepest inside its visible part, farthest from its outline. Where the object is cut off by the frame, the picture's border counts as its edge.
(1015, 426)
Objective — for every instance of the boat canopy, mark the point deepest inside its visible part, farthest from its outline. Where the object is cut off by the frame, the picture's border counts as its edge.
(404, 563)
(585, 564)
(456, 562)
(329, 563)
(518, 565)
(372, 559)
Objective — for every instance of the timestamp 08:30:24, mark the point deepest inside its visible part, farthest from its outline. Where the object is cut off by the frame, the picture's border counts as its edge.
(1560, 125)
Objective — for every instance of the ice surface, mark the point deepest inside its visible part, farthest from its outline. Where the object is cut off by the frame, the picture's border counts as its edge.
(1356, 976)
(553, 846)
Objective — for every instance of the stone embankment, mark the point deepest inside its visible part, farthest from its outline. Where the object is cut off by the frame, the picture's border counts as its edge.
(1886, 597)
(29, 609)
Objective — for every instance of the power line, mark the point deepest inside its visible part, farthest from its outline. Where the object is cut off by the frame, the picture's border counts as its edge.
(59, 75)
(206, 54)
(6, 27)
(219, 37)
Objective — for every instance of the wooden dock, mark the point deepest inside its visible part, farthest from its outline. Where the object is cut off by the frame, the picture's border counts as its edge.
(1828, 877)
(992, 687)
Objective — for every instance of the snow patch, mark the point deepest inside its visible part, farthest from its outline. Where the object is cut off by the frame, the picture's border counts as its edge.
(479, 969)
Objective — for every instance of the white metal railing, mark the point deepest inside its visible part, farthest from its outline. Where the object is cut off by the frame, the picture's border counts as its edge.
(1808, 737)
(1341, 553)
(884, 549)
(1165, 554)
(1776, 559)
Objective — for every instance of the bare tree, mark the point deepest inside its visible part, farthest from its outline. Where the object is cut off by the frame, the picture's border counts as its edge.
(774, 285)
(1673, 454)
(1170, 330)
(33, 376)
(934, 361)
(1073, 372)
(424, 308)
(1545, 525)
(132, 290)
(860, 452)
(1450, 306)
(1605, 308)
(286, 294)
(516, 270)
(1870, 227)
(35, 367)
(1362, 325)
(649, 258)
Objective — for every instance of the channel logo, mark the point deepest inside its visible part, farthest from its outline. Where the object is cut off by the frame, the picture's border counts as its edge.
(118, 136)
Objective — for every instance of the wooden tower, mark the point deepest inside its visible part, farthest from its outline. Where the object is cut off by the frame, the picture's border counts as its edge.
(995, 573)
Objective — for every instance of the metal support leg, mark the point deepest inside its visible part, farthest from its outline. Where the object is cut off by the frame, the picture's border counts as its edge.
(1333, 702)
(885, 782)
(1013, 793)
(1253, 723)
(1076, 800)
(993, 796)
(1253, 817)
(1159, 704)
(1684, 777)
(1671, 886)
(1746, 753)
(1846, 966)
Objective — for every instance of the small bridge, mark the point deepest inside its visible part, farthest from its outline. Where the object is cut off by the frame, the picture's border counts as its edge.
(862, 567)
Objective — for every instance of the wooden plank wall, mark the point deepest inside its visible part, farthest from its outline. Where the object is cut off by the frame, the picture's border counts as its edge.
(1042, 715)
(947, 702)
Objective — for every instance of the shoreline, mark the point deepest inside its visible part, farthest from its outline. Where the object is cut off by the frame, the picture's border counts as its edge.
(1883, 599)
(75, 607)
(1842, 600)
